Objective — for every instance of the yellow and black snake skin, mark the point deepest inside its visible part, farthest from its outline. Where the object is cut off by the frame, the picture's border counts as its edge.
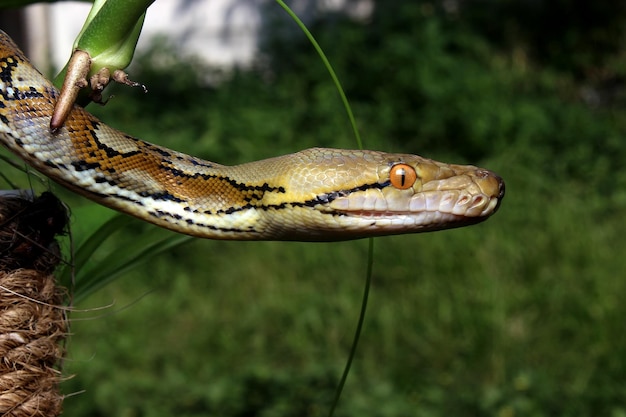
(314, 195)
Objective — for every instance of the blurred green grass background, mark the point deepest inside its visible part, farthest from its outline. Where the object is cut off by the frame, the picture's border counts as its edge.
(518, 316)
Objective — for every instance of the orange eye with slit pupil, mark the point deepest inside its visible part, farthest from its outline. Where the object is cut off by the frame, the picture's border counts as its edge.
(402, 176)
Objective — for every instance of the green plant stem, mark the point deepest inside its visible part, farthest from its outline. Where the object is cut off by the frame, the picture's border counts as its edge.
(359, 326)
(110, 24)
(110, 34)
(370, 255)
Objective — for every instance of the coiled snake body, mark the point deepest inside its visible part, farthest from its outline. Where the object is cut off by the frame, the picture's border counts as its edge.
(314, 195)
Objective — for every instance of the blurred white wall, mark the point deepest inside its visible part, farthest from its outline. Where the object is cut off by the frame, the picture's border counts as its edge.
(222, 32)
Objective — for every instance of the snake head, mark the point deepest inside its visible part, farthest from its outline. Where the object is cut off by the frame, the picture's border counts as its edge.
(368, 193)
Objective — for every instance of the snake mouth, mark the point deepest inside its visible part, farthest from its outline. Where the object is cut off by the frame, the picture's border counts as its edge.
(446, 216)
(442, 212)
(450, 204)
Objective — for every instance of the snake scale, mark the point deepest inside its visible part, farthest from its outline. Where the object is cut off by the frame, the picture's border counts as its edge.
(317, 194)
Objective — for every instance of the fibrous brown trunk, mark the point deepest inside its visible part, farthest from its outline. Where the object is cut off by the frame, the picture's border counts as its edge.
(33, 323)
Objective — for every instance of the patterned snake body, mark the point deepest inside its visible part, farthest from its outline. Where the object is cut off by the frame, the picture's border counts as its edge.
(314, 195)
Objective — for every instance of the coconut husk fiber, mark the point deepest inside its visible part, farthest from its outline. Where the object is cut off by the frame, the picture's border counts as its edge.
(33, 323)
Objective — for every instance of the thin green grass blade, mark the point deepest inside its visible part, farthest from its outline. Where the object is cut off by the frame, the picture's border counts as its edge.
(370, 254)
(86, 250)
(11, 162)
(96, 263)
(125, 259)
(329, 68)
(359, 327)
(8, 181)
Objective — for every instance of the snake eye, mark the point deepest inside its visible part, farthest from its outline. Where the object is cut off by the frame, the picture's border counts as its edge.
(402, 176)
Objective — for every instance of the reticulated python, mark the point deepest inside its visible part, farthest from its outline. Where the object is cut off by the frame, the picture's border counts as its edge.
(314, 195)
